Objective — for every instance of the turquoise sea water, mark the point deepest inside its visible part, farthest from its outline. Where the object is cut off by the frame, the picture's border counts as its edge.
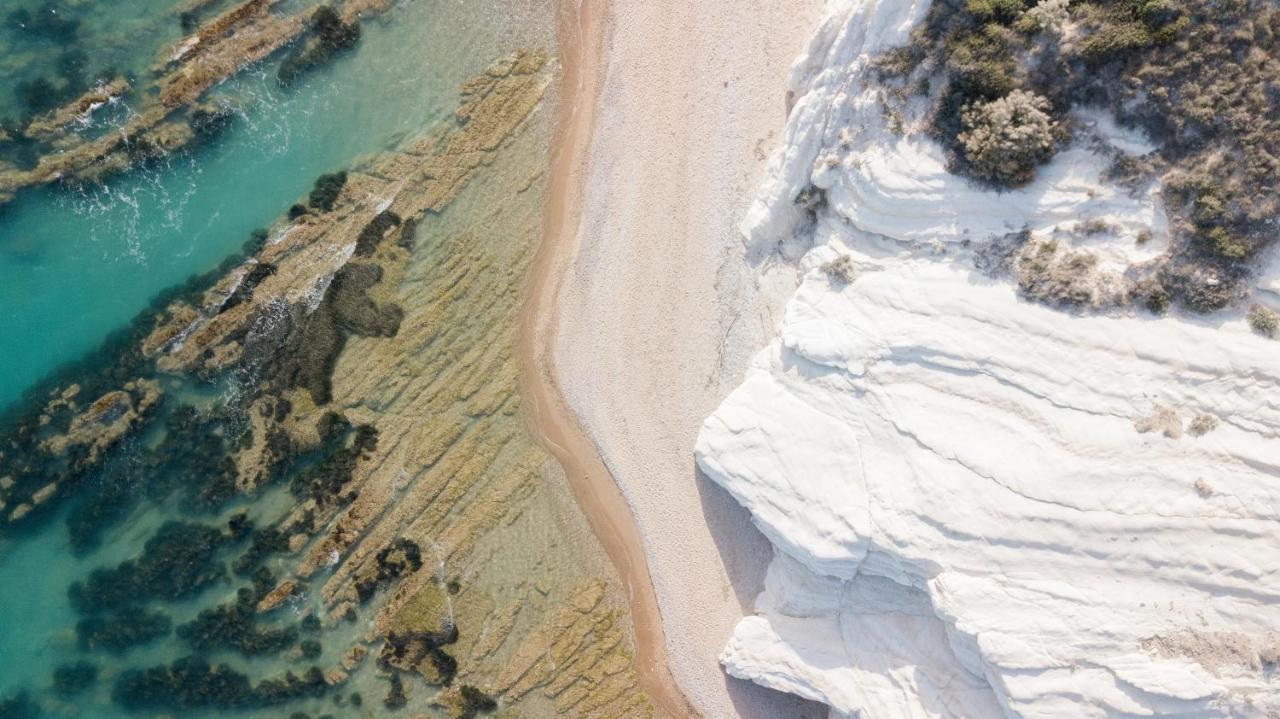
(76, 264)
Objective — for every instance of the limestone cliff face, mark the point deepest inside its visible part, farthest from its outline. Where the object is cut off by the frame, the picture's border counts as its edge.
(982, 505)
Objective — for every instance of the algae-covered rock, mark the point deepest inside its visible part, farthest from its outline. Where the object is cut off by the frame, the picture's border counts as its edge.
(464, 702)
(427, 612)
(178, 561)
(234, 626)
(330, 36)
(128, 628)
(71, 679)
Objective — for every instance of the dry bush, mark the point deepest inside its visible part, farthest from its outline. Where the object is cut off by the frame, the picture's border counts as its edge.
(1200, 77)
(1062, 278)
(1163, 419)
(1005, 139)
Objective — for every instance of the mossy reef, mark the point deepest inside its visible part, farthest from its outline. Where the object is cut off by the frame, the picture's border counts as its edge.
(301, 512)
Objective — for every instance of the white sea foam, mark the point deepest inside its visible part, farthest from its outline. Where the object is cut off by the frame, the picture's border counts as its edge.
(969, 522)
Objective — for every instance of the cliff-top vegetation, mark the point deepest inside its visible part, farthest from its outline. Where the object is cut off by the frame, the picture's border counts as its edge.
(1200, 77)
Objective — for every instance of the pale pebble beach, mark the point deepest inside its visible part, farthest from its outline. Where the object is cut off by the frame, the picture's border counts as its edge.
(658, 313)
(976, 505)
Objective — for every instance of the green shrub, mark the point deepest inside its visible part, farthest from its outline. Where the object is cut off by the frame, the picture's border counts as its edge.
(981, 65)
(1220, 244)
(898, 62)
(1045, 15)
(1004, 12)
(1158, 301)
(1264, 321)
(1111, 41)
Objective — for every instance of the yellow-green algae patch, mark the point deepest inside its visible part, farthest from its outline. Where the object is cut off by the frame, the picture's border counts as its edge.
(426, 612)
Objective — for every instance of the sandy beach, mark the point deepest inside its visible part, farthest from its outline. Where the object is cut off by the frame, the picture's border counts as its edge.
(643, 313)
(550, 419)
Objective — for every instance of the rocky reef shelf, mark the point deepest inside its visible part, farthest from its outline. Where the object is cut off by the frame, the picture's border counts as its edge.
(337, 413)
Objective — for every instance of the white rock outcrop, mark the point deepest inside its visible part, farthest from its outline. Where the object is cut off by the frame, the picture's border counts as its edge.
(982, 506)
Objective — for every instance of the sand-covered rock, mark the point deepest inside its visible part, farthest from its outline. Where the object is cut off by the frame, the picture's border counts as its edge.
(985, 505)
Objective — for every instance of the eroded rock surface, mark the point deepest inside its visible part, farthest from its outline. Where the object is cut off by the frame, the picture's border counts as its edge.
(371, 348)
(985, 503)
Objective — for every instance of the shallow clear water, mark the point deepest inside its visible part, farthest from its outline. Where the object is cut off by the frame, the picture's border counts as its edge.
(77, 264)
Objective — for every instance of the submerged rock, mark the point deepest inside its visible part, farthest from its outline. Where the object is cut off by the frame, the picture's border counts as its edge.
(19, 706)
(105, 422)
(130, 627)
(71, 679)
(283, 591)
(175, 563)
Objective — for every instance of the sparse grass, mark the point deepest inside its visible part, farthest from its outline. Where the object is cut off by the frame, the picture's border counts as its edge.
(1094, 226)
(1202, 424)
(840, 270)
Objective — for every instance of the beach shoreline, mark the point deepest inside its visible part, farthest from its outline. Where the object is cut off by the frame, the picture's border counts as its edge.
(580, 32)
(666, 118)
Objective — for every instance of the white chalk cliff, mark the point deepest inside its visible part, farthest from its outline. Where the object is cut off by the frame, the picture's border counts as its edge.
(982, 506)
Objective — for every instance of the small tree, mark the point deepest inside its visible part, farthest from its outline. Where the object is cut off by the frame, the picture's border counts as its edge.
(1004, 139)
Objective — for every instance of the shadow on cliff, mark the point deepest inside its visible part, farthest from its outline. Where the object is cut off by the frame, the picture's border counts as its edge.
(743, 549)
(746, 555)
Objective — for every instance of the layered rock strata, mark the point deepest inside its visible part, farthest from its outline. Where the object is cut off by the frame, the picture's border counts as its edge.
(372, 344)
(986, 501)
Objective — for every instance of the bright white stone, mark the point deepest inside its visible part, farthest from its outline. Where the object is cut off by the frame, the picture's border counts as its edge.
(968, 521)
